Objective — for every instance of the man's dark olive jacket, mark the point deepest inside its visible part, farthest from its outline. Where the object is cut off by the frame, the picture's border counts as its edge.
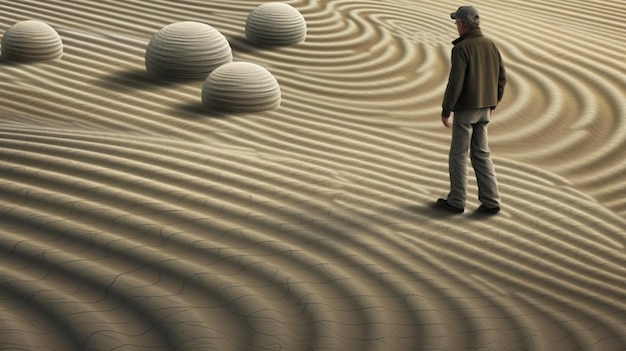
(477, 76)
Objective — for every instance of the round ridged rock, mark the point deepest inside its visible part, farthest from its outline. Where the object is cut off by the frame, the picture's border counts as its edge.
(27, 41)
(186, 50)
(241, 87)
(275, 23)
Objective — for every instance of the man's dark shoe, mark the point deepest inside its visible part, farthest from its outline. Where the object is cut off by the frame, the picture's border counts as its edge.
(488, 210)
(443, 203)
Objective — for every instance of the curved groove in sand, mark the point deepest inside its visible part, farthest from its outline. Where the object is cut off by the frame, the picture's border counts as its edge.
(130, 218)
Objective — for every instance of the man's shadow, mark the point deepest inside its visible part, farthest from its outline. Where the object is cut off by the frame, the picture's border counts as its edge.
(433, 211)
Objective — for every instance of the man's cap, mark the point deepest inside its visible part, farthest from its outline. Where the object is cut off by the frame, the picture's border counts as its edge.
(466, 13)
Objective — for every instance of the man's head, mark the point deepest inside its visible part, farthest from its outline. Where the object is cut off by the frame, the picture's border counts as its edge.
(466, 17)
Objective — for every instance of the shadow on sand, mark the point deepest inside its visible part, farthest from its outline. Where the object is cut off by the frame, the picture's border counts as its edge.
(195, 110)
(431, 210)
(239, 44)
(134, 79)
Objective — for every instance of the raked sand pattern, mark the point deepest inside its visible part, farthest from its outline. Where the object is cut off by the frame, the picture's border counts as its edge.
(132, 218)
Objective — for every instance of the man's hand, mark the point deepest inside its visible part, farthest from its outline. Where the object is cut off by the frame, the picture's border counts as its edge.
(446, 121)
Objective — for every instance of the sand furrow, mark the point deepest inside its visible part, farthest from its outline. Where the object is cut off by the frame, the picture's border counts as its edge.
(240, 260)
(103, 318)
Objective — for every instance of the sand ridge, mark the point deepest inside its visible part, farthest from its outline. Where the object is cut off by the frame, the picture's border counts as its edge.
(133, 219)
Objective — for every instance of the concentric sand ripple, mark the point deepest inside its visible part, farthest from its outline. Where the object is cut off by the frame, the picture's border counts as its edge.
(133, 219)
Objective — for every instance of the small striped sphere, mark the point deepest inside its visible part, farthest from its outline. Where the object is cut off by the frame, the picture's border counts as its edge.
(241, 87)
(275, 23)
(31, 40)
(186, 51)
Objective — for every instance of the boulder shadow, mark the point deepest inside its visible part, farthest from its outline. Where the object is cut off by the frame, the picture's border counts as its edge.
(134, 79)
(239, 44)
(197, 111)
(5, 62)
(15, 63)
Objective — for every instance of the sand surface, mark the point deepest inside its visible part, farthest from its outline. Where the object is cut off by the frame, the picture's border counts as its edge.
(132, 219)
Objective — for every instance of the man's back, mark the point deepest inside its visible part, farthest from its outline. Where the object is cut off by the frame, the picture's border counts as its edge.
(477, 75)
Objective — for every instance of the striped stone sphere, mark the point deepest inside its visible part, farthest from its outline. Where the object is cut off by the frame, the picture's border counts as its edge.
(31, 40)
(275, 23)
(186, 51)
(241, 87)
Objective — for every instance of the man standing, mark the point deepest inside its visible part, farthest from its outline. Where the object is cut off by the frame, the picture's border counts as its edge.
(475, 87)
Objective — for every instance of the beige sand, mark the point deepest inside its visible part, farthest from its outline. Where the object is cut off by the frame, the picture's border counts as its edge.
(131, 219)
